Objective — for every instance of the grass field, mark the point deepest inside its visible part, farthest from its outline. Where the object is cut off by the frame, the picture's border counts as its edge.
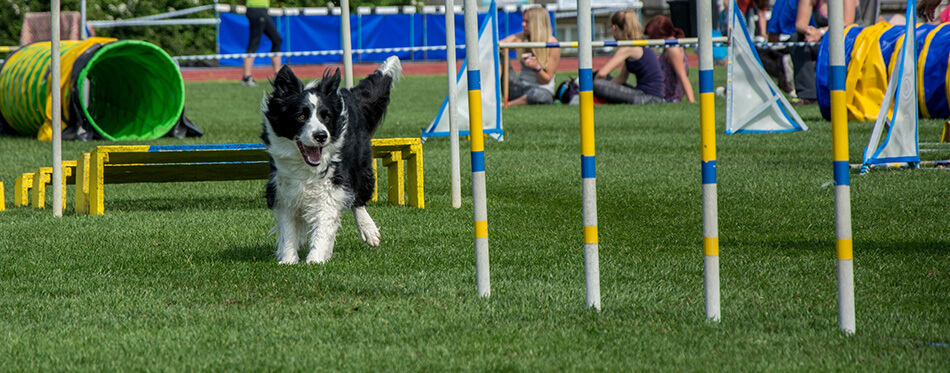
(182, 277)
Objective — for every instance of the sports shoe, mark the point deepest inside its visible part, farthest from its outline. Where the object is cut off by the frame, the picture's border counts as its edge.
(248, 81)
(802, 101)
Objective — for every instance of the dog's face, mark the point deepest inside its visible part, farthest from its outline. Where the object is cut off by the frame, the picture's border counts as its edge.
(311, 116)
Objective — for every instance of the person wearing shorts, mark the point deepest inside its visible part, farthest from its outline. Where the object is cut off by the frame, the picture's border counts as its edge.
(260, 22)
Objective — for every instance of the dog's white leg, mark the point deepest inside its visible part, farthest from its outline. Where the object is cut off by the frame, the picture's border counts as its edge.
(368, 230)
(303, 233)
(287, 241)
(326, 224)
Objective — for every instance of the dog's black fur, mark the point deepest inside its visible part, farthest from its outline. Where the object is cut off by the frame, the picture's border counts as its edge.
(285, 102)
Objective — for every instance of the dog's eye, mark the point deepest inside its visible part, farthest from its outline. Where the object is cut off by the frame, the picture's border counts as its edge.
(302, 117)
(326, 118)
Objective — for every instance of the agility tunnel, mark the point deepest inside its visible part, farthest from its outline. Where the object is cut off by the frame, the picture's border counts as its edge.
(113, 89)
(870, 60)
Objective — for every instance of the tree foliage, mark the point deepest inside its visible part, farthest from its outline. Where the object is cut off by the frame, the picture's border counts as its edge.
(176, 40)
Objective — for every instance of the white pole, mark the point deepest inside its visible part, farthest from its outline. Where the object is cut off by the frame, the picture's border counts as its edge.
(82, 20)
(707, 129)
(347, 47)
(477, 141)
(588, 169)
(453, 121)
(839, 143)
(57, 110)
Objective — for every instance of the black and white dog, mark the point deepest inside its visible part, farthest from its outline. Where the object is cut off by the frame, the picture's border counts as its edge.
(318, 138)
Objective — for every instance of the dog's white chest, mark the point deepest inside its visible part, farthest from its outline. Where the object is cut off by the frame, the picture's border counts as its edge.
(311, 193)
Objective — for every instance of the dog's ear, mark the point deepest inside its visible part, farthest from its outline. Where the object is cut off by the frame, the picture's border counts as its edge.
(330, 82)
(286, 83)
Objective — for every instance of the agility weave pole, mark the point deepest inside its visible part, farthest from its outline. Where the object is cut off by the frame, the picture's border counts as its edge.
(477, 143)
(454, 157)
(347, 45)
(839, 140)
(57, 125)
(588, 164)
(707, 129)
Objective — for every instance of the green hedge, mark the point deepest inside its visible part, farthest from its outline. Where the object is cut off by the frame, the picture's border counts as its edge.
(176, 40)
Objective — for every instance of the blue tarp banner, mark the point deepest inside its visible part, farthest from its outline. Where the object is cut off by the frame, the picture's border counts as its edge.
(316, 33)
(371, 31)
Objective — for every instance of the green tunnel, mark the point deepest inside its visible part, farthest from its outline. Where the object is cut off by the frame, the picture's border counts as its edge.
(123, 89)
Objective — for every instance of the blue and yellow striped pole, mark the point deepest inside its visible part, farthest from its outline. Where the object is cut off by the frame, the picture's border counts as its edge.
(588, 171)
(707, 129)
(477, 140)
(839, 141)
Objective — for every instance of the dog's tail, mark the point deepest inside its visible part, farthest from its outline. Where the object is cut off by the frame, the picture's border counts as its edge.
(372, 93)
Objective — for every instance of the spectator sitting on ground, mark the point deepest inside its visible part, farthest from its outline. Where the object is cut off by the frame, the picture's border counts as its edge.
(639, 61)
(535, 83)
(927, 10)
(811, 23)
(760, 7)
(673, 60)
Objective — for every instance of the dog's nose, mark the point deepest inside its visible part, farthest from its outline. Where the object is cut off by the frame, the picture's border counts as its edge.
(320, 136)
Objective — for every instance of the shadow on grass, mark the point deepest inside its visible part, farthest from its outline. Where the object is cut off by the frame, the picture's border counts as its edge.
(159, 204)
(248, 254)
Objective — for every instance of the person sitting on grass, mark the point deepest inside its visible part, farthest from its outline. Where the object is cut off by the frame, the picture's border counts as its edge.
(535, 83)
(673, 60)
(639, 61)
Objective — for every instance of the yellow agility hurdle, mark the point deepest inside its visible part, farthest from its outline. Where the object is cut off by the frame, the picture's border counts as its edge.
(171, 163)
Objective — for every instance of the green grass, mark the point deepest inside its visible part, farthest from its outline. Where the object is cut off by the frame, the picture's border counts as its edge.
(181, 277)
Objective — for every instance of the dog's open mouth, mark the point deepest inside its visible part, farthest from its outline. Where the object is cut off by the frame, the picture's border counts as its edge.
(311, 155)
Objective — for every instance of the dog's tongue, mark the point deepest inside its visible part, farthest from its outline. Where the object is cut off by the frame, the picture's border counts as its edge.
(311, 155)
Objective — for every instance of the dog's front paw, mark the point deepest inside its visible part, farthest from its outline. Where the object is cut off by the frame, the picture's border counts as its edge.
(287, 258)
(370, 234)
(318, 256)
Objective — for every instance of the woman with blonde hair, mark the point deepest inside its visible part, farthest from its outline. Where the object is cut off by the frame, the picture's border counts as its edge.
(535, 83)
(639, 61)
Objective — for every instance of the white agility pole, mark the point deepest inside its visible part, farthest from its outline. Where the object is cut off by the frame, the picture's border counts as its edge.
(82, 20)
(477, 140)
(57, 126)
(453, 120)
(707, 128)
(588, 168)
(347, 47)
(839, 141)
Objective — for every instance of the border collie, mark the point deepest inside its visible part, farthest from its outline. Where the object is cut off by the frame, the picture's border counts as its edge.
(318, 139)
